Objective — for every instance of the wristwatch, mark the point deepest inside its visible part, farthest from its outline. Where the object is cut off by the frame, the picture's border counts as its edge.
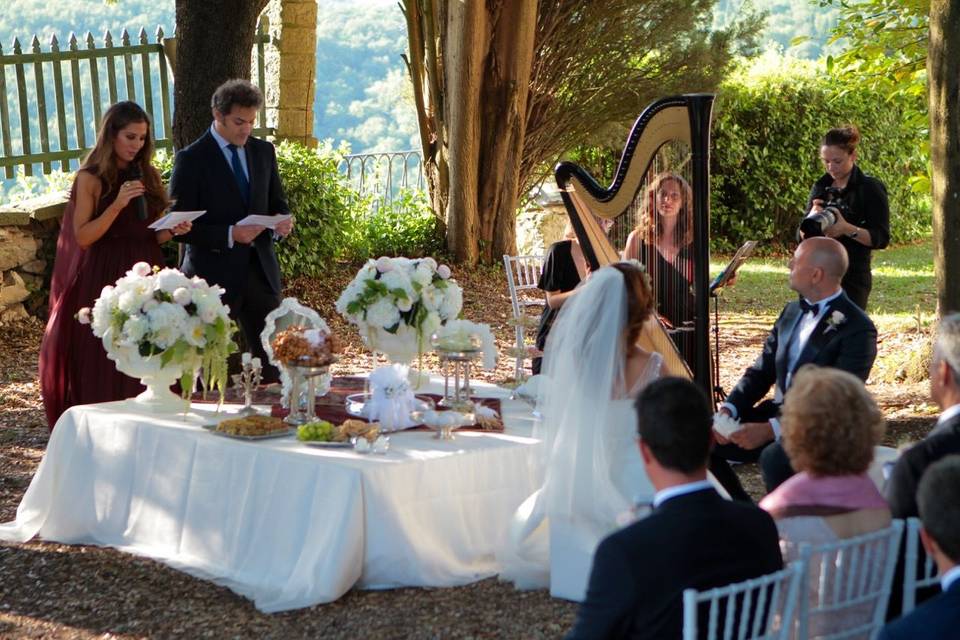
(853, 234)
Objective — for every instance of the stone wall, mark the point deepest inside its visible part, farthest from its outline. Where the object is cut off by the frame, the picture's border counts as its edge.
(28, 244)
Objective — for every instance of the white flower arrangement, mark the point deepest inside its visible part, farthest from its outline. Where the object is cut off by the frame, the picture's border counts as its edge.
(835, 320)
(400, 302)
(462, 335)
(161, 313)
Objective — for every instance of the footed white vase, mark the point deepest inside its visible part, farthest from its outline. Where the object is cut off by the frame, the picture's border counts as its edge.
(400, 347)
(157, 379)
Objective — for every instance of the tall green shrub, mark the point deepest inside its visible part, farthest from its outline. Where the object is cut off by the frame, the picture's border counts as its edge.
(404, 226)
(322, 204)
(768, 123)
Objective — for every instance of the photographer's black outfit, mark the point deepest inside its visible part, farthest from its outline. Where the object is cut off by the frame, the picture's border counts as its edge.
(866, 198)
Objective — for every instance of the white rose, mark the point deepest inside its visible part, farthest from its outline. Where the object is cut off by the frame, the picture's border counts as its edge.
(169, 280)
(141, 269)
(443, 271)
(430, 263)
(182, 296)
(384, 264)
(83, 316)
(194, 332)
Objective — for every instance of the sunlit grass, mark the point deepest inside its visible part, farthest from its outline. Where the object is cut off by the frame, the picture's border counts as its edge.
(903, 297)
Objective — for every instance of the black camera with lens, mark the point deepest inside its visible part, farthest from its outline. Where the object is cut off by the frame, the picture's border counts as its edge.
(817, 222)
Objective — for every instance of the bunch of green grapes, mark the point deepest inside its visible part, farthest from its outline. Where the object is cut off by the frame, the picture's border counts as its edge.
(320, 430)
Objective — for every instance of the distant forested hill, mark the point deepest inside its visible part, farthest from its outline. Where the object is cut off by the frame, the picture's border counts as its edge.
(788, 19)
(363, 95)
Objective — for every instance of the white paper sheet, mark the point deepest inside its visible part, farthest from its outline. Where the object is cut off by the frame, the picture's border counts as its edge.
(174, 218)
(270, 222)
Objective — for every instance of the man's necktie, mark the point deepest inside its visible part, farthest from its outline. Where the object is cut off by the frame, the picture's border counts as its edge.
(806, 306)
(238, 173)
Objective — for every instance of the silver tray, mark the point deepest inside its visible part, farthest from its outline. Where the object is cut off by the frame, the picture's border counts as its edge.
(327, 445)
(212, 428)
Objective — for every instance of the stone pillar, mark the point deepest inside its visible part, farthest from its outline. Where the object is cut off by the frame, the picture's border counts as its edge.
(291, 69)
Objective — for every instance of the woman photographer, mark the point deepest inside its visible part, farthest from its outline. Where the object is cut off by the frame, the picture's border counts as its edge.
(862, 220)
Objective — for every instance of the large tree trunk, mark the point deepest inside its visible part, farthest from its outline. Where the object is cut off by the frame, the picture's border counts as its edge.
(214, 42)
(470, 63)
(943, 72)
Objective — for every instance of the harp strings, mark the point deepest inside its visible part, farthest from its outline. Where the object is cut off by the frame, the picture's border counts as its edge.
(661, 215)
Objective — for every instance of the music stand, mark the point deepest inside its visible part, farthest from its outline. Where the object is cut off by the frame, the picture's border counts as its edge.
(723, 279)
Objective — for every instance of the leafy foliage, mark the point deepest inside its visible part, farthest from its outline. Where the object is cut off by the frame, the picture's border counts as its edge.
(405, 226)
(322, 204)
(765, 160)
(885, 46)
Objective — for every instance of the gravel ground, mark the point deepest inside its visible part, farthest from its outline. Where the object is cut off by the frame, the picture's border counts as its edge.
(61, 591)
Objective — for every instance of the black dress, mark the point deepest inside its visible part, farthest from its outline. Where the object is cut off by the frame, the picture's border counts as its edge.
(559, 274)
(867, 199)
(672, 283)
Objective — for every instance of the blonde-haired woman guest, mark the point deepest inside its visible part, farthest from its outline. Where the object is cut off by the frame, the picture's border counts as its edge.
(830, 425)
(101, 237)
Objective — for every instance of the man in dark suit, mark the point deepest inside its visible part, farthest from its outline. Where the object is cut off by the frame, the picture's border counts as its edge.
(230, 174)
(939, 502)
(693, 538)
(942, 441)
(824, 327)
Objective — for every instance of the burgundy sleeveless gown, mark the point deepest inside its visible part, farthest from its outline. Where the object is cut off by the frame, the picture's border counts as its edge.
(74, 368)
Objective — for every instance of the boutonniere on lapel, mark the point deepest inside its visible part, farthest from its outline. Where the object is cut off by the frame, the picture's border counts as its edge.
(834, 320)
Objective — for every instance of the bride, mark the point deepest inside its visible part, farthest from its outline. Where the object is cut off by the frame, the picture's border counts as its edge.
(594, 476)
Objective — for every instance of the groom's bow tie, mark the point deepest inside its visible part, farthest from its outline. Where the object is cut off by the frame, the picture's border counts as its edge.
(806, 306)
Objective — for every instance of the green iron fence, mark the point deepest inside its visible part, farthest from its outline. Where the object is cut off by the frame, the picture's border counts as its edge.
(51, 102)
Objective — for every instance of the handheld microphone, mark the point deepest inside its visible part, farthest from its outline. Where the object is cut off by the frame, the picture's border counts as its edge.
(140, 203)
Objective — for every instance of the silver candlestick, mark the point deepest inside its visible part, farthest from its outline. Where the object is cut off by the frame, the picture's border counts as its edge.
(246, 381)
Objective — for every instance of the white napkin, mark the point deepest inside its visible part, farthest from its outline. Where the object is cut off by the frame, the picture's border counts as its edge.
(724, 424)
(391, 399)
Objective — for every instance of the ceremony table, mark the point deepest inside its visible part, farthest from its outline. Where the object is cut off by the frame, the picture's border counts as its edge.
(276, 521)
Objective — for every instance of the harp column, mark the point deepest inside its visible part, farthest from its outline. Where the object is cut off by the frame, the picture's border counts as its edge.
(701, 112)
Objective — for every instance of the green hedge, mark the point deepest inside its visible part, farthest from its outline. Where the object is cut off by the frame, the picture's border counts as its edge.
(765, 156)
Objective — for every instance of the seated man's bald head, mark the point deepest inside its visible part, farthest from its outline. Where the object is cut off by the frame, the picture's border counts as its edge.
(827, 254)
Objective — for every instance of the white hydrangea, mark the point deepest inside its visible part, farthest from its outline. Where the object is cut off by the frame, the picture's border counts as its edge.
(383, 313)
(166, 324)
(452, 301)
(134, 330)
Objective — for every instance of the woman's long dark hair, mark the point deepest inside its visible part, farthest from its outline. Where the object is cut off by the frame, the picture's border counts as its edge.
(102, 162)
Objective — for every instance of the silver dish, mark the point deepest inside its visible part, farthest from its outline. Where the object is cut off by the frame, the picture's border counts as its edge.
(283, 433)
(356, 404)
(321, 444)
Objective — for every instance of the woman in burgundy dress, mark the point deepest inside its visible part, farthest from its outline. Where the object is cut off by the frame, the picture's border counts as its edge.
(101, 237)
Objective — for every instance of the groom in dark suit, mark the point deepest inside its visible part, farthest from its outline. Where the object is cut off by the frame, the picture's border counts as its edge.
(230, 174)
(825, 328)
(693, 538)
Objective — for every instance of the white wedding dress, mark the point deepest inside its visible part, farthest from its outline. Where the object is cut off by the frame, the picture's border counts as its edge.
(594, 477)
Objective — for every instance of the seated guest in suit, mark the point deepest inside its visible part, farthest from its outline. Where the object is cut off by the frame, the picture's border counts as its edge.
(830, 425)
(230, 174)
(942, 441)
(945, 437)
(824, 327)
(939, 503)
(693, 538)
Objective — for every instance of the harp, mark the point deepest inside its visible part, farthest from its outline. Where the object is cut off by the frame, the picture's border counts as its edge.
(670, 138)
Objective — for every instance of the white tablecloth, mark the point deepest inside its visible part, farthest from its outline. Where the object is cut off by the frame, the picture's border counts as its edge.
(281, 523)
